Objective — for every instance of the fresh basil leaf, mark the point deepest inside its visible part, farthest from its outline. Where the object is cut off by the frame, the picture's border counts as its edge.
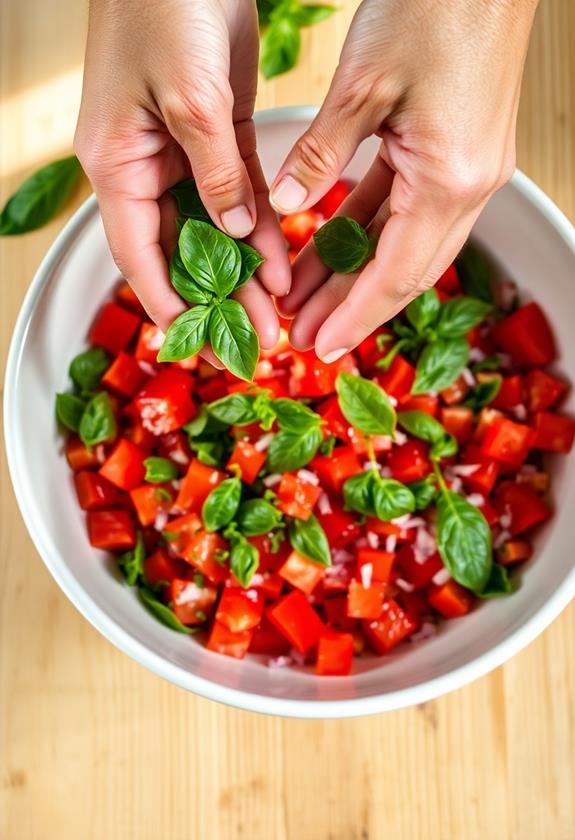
(488, 363)
(279, 47)
(474, 273)
(391, 499)
(328, 446)
(443, 448)
(265, 410)
(440, 364)
(265, 10)
(358, 493)
(69, 410)
(184, 284)
(98, 423)
(292, 450)
(212, 258)
(424, 426)
(365, 405)
(482, 393)
(233, 339)
(293, 416)
(40, 197)
(186, 335)
(163, 495)
(244, 559)
(424, 492)
(342, 245)
(131, 563)
(422, 312)
(498, 585)
(87, 369)
(308, 539)
(222, 503)
(401, 330)
(403, 344)
(463, 541)
(250, 262)
(209, 452)
(159, 470)
(309, 15)
(160, 611)
(236, 409)
(189, 202)
(198, 424)
(459, 315)
(257, 516)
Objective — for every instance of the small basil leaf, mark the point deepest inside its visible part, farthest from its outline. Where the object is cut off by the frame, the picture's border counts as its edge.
(98, 423)
(482, 393)
(209, 452)
(236, 409)
(280, 46)
(403, 344)
(160, 611)
(365, 405)
(294, 416)
(250, 262)
(358, 493)
(86, 369)
(342, 244)
(131, 562)
(40, 197)
(212, 258)
(292, 450)
(308, 539)
(186, 335)
(222, 503)
(257, 516)
(69, 410)
(424, 492)
(443, 448)
(309, 15)
(463, 541)
(459, 315)
(265, 410)
(488, 363)
(159, 470)
(233, 339)
(498, 584)
(391, 499)
(244, 559)
(198, 424)
(421, 425)
(183, 282)
(328, 446)
(440, 364)
(474, 274)
(266, 9)
(423, 311)
(189, 202)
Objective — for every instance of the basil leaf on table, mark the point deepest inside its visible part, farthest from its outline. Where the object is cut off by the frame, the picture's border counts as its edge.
(474, 273)
(160, 611)
(294, 416)
(391, 499)
(183, 282)
(40, 197)
(233, 338)
(98, 423)
(342, 245)
(482, 393)
(256, 517)
(440, 364)
(211, 257)
(222, 503)
(189, 202)
(279, 47)
(244, 559)
(424, 492)
(186, 335)
(358, 493)
(459, 315)
(365, 405)
(498, 585)
(422, 312)
(159, 470)
(463, 541)
(131, 563)
(309, 15)
(290, 450)
(250, 262)
(69, 410)
(87, 369)
(236, 409)
(308, 539)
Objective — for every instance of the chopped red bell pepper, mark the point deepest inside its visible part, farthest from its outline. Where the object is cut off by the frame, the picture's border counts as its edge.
(365, 601)
(160, 568)
(522, 504)
(381, 563)
(114, 328)
(314, 378)
(507, 441)
(543, 390)
(484, 477)
(394, 625)
(297, 620)
(150, 339)
(335, 469)
(335, 422)
(192, 604)
(124, 467)
(416, 573)
(458, 421)
(197, 484)
(240, 609)
(553, 432)
(336, 612)
(526, 336)
(301, 572)
(124, 375)
(398, 379)
(223, 641)
(206, 552)
(95, 492)
(248, 458)
(80, 457)
(334, 654)
(111, 530)
(340, 527)
(175, 446)
(428, 403)
(165, 403)
(450, 599)
(409, 462)
(179, 531)
(296, 496)
(267, 640)
(151, 499)
(510, 393)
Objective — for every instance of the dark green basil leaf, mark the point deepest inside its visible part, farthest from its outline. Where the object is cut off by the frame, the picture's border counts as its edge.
(265, 410)
(308, 539)
(293, 416)
(440, 364)
(198, 424)
(210, 256)
(244, 559)
(184, 284)
(498, 584)
(233, 339)
(189, 202)
(186, 335)
(159, 470)
(257, 516)
(131, 563)
(265, 10)
(292, 450)
(488, 363)
(391, 499)
(87, 369)
(309, 15)
(424, 492)
(328, 446)
(404, 344)
(358, 493)
(40, 197)
(69, 410)
(422, 312)
(365, 405)
(250, 262)
(98, 423)
(443, 448)
(236, 409)
(459, 315)
(482, 393)
(279, 47)
(160, 611)
(209, 452)
(221, 505)
(463, 541)
(474, 273)
(342, 244)
(421, 425)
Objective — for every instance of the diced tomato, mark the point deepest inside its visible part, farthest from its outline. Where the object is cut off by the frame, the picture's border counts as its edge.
(267, 640)
(223, 641)
(490, 514)
(334, 654)
(455, 393)
(114, 328)
(340, 527)
(507, 441)
(484, 477)
(270, 561)
(398, 380)
(553, 432)
(197, 484)
(514, 551)
(365, 601)
(297, 497)
(160, 568)
(510, 393)
(302, 573)
(525, 507)
(150, 340)
(337, 579)
(95, 492)
(416, 605)
(298, 228)
(80, 457)
(175, 446)
(450, 599)
(271, 585)
(336, 612)
(543, 390)
(240, 609)
(314, 378)
(212, 389)
(415, 573)
(179, 531)
(111, 530)
(368, 351)
(380, 562)
(449, 281)
(297, 620)
(389, 529)
(165, 402)
(409, 462)
(124, 375)
(336, 195)
(136, 432)
(248, 458)
(458, 421)
(335, 422)
(151, 499)
(127, 298)
(394, 625)
(427, 403)
(202, 550)
(124, 467)
(526, 336)
(192, 604)
(487, 417)
(380, 443)
(333, 470)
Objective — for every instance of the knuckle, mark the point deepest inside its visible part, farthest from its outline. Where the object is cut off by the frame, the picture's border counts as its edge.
(316, 155)
(200, 108)
(224, 177)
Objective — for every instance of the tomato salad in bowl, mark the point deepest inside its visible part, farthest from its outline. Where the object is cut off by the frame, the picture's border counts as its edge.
(307, 512)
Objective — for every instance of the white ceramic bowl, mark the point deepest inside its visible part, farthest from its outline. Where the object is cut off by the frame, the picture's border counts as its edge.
(533, 243)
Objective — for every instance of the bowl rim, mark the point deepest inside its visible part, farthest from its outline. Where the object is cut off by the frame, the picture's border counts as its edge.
(283, 706)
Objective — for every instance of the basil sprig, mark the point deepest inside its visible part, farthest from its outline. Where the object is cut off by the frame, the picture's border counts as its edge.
(474, 273)
(159, 470)
(40, 197)
(257, 516)
(86, 369)
(498, 584)
(440, 364)
(425, 427)
(69, 410)
(371, 495)
(244, 557)
(281, 21)
(309, 539)
(343, 245)
(483, 393)
(131, 563)
(365, 404)
(424, 492)
(222, 503)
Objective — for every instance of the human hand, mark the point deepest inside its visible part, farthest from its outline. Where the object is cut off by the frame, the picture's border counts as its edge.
(438, 82)
(169, 89)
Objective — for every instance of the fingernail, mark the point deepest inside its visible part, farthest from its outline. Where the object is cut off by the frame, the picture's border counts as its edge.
(238, 221)
(288, 195)
(334, 355)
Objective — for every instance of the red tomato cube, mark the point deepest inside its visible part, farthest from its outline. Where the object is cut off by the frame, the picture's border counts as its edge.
(298, 228)
(124, 467)
(111, 530)
(114, 328)
(151, 499)
(95, 492)
(336, 195)
(297, 620)
(297, 497)
(335, 469)
(394, 625)
(240, 609)
(205, 551)
(160, 568)
(417, 574)
(553, 432)
(334, 655)
(340, 527)
(222, 640)
(526, 335)
(301, 572)
(450, 599)
(543, 390)
(409, 462)
(458, 421)
(507, 441)
(398, 379)
(165, 402)
(365, 601)
(267, 640)
(520, 502)
(80, 457)
(379, 564)
(191, 603)
(484, 477)
(197, 484)
(124, 376)
(248, 458)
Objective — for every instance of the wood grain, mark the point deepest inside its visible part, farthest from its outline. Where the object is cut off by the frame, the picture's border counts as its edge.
(94, 747)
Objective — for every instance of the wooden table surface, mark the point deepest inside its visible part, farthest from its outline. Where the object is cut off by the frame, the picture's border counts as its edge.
(93, 747)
